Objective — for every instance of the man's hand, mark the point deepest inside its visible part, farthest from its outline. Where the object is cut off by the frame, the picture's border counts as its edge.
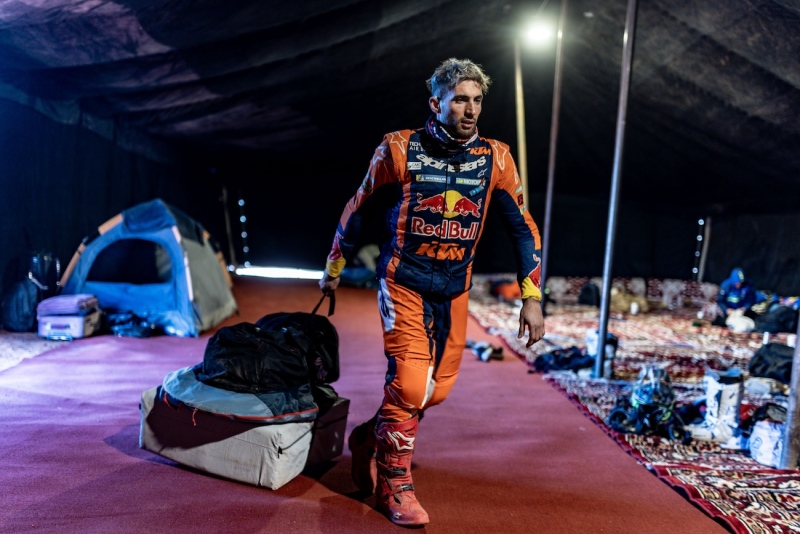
(328, 284)
(530, 316)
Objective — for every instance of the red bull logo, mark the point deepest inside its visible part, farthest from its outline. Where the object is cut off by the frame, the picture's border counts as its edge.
(436, 204)
(447, 229)
(449, 203)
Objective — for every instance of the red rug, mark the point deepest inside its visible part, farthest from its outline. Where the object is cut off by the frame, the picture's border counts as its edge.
(727, 485)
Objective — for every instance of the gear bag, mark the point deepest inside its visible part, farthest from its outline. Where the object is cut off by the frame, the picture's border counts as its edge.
(773, 360)
(282, 351)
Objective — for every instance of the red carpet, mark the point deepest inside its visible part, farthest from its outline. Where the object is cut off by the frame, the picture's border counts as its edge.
(506, 453)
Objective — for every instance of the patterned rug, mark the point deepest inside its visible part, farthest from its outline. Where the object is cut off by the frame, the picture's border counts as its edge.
(17, 346)
(730, 486)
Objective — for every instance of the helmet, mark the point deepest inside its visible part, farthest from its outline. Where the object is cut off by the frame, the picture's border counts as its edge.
(652, 388)
(650, 407)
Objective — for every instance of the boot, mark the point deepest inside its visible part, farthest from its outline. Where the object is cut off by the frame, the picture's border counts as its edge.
(394, 494)
(362, 445)
(724, 391)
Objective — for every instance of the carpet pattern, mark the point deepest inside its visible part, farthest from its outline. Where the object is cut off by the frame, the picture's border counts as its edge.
(17, 346)
(729, 486)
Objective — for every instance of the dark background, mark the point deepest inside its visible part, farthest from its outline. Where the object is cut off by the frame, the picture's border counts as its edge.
(282, 104)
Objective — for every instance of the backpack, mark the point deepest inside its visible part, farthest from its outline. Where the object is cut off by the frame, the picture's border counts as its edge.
(19, 307)
(590, 294)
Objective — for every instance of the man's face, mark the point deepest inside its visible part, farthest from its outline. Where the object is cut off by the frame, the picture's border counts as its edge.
(459, 109)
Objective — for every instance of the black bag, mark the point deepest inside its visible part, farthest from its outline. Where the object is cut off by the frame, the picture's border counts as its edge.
(572, 359)
(19, 307)
(280, 351)
(590, 294)
(247, 359)
(315, 336)
(772, 360)
(781, 319)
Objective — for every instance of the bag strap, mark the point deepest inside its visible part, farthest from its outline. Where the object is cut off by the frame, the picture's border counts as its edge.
(331, 306)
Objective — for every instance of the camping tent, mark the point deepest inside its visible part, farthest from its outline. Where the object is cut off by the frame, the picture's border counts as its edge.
(157, 262)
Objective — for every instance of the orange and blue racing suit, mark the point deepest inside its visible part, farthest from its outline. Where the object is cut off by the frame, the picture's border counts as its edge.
(440, 194)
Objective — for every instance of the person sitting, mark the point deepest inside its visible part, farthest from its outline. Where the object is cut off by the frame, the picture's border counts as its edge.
(736, 296)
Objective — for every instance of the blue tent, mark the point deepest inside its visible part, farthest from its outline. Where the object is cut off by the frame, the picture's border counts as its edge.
(157, 262)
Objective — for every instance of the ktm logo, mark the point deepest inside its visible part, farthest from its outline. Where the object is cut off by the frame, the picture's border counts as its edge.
(477, 151)
(441, 251)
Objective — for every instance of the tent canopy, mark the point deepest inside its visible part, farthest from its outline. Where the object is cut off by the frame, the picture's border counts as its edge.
(158, 263)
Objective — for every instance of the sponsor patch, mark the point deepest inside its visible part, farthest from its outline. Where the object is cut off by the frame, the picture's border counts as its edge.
(469, 181)
(431, 178)
(414, 165)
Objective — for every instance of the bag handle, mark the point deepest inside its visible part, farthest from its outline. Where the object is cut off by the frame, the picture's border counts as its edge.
(331, 306)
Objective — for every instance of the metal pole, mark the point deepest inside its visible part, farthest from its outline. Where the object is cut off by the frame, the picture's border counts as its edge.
(791, 429)
(522, 146)
(231, 251)
(625, 82)
(551, 162)
(704, 253)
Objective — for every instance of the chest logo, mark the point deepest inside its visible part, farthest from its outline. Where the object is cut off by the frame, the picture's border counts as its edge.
(450, 203)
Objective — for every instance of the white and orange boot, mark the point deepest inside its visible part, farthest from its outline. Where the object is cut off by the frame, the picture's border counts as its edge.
(394, 493)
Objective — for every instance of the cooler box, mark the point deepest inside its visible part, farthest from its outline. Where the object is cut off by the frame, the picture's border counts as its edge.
(268, 455)
(68, 317)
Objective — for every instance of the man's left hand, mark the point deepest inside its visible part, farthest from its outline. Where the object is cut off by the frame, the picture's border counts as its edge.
(530, 317)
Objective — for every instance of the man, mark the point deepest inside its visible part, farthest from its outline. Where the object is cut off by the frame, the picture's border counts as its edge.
(441, 180)
(736, 293)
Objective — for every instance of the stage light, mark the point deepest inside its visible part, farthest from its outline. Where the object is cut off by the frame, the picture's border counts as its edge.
(279, 272)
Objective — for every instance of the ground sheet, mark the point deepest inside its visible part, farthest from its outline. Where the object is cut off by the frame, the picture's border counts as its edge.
(730, 486)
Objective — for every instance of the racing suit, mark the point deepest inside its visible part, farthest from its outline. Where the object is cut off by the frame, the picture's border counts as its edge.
(440, 193)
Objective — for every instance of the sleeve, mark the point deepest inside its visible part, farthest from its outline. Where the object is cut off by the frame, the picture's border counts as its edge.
(381, 172)
(507, 196)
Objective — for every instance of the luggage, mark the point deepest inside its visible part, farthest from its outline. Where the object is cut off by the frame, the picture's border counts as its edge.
(268, 455)
(68, 317)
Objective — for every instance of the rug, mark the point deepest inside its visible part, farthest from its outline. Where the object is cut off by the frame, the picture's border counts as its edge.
(17, 346)
(731, 487)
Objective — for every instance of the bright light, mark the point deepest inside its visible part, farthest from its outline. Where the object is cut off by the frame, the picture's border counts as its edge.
(539, 33)
(279, 272)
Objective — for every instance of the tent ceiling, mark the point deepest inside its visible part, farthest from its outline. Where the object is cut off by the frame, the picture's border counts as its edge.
(713, 117)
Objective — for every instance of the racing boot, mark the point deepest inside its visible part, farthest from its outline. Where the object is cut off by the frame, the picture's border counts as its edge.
(724, 391)
(362, 445)
(394, 494)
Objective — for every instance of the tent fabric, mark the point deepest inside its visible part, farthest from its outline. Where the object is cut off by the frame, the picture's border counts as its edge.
(713, 106)
(157, 262)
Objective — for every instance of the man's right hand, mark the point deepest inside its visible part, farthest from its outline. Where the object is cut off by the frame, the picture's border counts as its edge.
(328, 284)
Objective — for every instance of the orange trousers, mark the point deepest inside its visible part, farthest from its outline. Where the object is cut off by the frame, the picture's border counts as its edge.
(424, 339)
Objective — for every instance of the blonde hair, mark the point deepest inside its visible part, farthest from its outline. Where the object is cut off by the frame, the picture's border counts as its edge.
(454, 71)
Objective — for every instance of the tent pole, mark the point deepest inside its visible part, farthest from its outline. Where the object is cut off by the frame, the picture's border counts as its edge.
(522, 145)
(704, 254)
(625, 82)
(228, 225)
(551, 162)
(791, 429)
